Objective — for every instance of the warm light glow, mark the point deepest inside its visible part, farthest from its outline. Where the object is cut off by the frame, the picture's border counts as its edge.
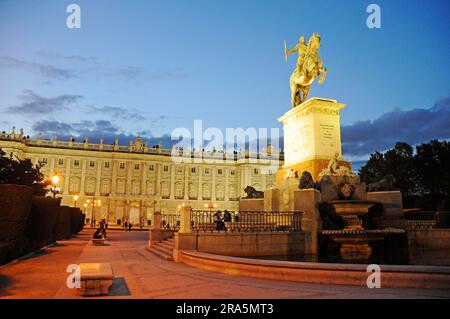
(88, 201)
(75, 197)
(85, 205)
(99, 202)
(55, 179)
(206, 205)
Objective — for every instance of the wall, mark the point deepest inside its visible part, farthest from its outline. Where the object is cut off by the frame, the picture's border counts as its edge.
(392, 208)
(429, 246)
(242, 244)
(251, 205)
(321, 273)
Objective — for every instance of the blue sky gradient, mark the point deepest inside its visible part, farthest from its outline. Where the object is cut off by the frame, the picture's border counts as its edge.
(151, 66)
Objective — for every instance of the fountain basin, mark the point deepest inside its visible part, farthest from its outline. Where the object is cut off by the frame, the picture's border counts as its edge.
(354, 244)
(350, 210)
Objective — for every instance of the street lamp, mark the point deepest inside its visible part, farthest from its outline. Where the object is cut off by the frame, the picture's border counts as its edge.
(75, 199)
(210, 205)
(54, 188)
(92, 203)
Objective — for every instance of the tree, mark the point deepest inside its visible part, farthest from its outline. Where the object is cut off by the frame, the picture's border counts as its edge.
(399, 162)
(432, 162)
(22, 172)
(423, 177)
(374, 170)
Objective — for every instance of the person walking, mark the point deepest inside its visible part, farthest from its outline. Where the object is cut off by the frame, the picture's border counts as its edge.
(129, 226)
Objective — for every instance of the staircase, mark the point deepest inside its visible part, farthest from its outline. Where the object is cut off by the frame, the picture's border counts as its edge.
(163, 249)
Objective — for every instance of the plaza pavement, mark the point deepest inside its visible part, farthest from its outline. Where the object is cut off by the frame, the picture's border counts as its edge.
(139, 274)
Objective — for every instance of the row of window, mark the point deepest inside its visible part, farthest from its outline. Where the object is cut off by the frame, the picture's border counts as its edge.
(206, 171)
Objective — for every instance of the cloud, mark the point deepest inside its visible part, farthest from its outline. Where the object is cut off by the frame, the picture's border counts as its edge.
(412, 126)
(134, 73)
(96, 130)
(33, 103)
(119, 112)
(70, 58)
(46, 70)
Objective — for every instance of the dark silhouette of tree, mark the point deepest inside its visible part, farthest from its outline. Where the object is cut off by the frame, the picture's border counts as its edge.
(399, 162)
(374, 170)
(424, 175)
(22, 172)
(432, 162)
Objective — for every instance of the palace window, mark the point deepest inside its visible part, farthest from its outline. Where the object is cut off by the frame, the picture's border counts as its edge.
(60, 161)
(232, 172)
(180, 169)
(44, 161)
(91, 164)
(206, 171)
(219, 171)
(166, 168)
(76, 163)
(136, 167)
(151, 168)
(256, 171)
(106, 164)
(193, 170)
(122, 165)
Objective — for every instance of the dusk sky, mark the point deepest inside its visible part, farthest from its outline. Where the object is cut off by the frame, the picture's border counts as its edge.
(150, 66)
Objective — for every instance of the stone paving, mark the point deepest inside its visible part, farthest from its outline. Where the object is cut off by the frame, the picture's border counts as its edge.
(139, 274)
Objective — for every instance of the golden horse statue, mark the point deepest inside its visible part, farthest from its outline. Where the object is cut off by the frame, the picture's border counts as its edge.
(309, 67)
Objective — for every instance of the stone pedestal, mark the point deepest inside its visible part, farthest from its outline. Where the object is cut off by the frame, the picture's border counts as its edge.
(271, 200)
(312, 136)
(251, 205)
(185, 220)
(307, 201)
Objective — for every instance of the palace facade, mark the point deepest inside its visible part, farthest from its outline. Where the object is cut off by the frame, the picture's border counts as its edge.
(133, 181)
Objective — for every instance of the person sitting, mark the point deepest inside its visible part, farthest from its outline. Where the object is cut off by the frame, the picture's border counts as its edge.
(226, 216)
(99, 234)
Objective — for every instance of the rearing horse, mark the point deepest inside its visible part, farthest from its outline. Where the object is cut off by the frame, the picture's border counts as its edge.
(309, 67)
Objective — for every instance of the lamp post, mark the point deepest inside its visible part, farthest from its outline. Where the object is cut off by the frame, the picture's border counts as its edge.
(75, 199)
(210, 205)
(92, 203)
(54, 185)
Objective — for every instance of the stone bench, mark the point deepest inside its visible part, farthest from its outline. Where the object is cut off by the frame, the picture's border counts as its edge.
(98, 241)
(95, 279)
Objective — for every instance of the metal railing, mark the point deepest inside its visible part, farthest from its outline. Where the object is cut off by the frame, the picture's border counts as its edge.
(170, 221)
(427, 219)
(254, 221)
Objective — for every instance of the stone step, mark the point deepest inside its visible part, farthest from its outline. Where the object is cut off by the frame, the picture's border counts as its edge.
(167, 244)
(166, 250)
(160, 254)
